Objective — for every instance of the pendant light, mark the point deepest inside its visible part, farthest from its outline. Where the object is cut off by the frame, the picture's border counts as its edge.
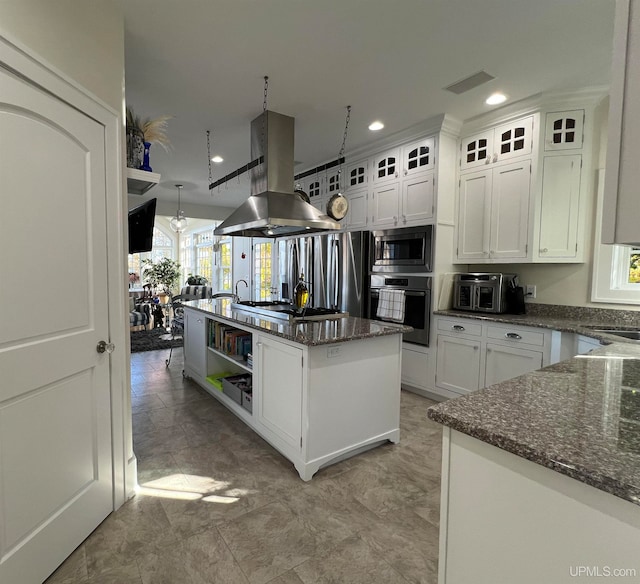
(179, 222)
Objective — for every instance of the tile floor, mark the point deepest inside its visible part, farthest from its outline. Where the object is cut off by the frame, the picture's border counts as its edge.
(219, 505)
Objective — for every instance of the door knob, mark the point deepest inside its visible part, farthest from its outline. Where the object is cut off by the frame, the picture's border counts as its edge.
(104, 347)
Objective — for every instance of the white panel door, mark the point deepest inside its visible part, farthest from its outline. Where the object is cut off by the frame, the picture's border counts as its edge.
(279, 380)
(358, 209)
(458, 364)
(55, 416)
(510, 211)
(417, 199)
(504, 363)
(474, 215)
(385, 201)
(560, 206)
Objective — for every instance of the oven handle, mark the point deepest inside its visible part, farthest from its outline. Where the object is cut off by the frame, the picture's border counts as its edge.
(376, 292)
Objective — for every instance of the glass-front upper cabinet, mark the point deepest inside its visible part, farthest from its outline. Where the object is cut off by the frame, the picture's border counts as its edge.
(564, 130)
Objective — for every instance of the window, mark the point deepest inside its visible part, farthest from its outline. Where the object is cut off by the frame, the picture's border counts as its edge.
(225, 282)
(186, 255)
(162, 247)
(262, 260)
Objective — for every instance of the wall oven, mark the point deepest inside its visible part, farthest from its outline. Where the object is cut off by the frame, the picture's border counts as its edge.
(417, 312)
(409, 249)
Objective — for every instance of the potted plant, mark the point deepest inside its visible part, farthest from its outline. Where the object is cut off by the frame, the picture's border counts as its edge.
(164, 273)
(196, 280)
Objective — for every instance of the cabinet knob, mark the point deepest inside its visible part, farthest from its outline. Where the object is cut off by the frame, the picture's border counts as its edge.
(475, 347)
(544, 250)
(395, 219)
(495, 158)
(491, 252)
(404, 218)
(488, 160)
(406, 172)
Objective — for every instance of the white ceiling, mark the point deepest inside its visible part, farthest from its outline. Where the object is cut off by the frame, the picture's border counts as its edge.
(203, 62)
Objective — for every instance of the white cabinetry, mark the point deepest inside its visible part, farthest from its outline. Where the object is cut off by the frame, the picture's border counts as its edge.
(195, 345)
(506, 362)
(358, 212)
(403, 194)
(559, 210)
(458, 363)
(621, 203)
(314, 404)
(415, 366)
(520, 506)
(497, 145)
(493, 213)
(279, 387)
(474, 354)
(526, 184)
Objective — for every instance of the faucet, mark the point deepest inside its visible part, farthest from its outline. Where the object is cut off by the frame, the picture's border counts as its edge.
(238, 282)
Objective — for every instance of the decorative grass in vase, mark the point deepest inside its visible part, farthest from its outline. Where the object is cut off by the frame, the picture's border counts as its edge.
(141, 134)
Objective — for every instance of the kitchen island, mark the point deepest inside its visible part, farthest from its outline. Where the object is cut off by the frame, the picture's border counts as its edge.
(541, 474)
(321, 391)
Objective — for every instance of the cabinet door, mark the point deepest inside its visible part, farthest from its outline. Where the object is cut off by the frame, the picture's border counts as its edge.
(358, 209)
(417, 199)
(476, 150)
(474, 207)
(560, 205)
(385, 208)
(458, 364)
(418, 157)
(195, 342)
(504, 363)
(564, 130)
(415, 368)
(513, 140)
(331, 184)
(357, 175)
(510, 211)
(279, 397)
(386, 166)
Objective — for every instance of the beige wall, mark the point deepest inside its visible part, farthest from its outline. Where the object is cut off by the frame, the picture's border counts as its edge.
(56, 28)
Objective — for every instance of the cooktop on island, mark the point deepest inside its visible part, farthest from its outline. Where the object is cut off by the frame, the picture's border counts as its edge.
(286, 311)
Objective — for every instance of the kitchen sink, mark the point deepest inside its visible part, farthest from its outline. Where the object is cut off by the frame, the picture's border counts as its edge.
(627, 333)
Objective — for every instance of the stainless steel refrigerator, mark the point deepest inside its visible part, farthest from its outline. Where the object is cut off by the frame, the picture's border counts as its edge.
(335, 268)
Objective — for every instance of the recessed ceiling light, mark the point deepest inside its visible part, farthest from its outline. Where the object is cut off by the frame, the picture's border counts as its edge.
(375, 126)
(496, 98)
(217, 159)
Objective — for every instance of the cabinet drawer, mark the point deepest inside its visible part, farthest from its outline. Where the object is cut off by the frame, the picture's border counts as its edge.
(516, 335)
(463, 327)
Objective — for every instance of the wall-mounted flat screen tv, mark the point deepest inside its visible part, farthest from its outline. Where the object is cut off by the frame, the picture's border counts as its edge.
(141, 221)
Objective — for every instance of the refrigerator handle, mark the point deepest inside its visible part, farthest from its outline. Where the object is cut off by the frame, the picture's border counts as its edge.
(336, 272)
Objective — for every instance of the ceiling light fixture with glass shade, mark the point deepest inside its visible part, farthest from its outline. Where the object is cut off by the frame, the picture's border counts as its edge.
(179, 222)
(496, 99)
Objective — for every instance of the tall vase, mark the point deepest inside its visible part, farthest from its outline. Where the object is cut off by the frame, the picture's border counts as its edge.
(145, 160)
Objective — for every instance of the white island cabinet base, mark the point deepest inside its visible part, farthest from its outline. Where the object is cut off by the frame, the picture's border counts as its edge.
(315, 404)
(506, 519)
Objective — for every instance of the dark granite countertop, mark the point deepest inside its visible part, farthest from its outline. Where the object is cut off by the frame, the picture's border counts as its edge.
(580, 417)
(572, 319)
(306, 333)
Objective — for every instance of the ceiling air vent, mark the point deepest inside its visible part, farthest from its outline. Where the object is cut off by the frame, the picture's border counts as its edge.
(469, 82)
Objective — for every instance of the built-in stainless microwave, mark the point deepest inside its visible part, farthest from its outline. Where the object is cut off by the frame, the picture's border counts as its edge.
(408, 249)
(482, 292)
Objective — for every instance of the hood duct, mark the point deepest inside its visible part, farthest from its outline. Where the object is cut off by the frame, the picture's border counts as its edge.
(273, 209)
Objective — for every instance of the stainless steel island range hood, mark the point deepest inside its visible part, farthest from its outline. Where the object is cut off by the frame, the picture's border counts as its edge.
(273, 209)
